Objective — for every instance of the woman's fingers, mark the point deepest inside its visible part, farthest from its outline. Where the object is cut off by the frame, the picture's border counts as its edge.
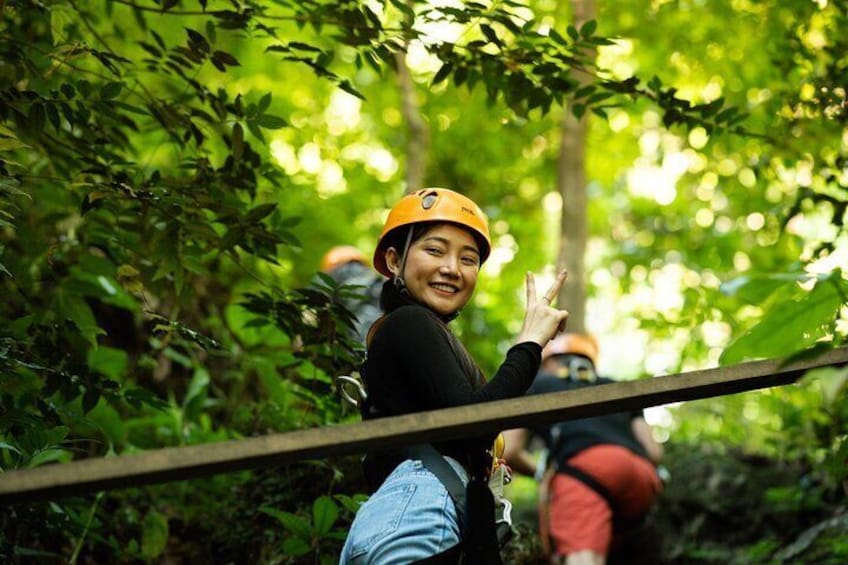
(531, 288)
(553, 292)
(541, 320)
(563, 321)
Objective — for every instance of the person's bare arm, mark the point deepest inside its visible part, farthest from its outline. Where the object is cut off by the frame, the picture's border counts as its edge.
(517, 457)
(643, 433)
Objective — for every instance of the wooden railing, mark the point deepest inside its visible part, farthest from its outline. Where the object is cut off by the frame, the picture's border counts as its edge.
(179, 463)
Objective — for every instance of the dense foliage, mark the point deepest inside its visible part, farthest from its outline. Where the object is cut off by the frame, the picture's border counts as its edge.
(171, 171)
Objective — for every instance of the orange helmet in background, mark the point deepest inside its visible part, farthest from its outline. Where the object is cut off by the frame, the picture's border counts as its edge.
(434, 205)
(340, 255)
(572, 344)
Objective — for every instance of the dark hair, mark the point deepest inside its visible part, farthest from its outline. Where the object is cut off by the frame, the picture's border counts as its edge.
(397, 237)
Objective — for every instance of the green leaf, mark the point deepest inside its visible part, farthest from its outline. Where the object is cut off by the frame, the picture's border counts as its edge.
(264, 103)
(67, 90)
(197, 42)
(56, 435)
(154, 534)
(348, 87)
(557, 37)
(238, 141)
(225, 58)
(599, 96)
(139, 396)
(833, 382)
(598, 111)
(10, 447)
(150, 49)
(111, 90)
(755, 289)
(268, 121)
(253, 128)
(303, 47)
(10, 144)
(278, 49)
(296, 547)
(490, 34)
(351, 503)
(84, 88)
(70, 306)
(61, 16)
(588, 29)
(442, 73)
(324, 514)
(789, 326)
(260, 212)
(578, 110)
(197, 392)
(49, 455)
(295, 524)
(109, 361)
(130, 108)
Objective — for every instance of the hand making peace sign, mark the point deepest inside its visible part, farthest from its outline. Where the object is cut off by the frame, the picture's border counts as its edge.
(541, 320)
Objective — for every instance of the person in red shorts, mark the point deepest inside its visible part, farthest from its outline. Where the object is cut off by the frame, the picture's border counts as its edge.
(599, 474)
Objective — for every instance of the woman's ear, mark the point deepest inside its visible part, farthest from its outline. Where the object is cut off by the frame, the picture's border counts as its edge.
(393, 260)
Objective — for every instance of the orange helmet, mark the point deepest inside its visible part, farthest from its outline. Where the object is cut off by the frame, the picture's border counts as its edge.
(340, 255)
(434, 205)
(572, 344)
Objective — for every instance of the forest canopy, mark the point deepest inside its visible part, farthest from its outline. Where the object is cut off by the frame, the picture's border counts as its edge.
(172, 171)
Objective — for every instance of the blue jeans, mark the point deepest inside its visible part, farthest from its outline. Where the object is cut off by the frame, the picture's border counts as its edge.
(410, 517)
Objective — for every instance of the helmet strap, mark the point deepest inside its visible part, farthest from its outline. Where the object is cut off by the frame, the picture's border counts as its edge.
(398, 281)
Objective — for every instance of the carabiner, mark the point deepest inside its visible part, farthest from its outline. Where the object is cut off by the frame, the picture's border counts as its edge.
(360, 390)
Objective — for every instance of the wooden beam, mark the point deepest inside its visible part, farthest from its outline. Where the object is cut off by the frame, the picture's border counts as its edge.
(179, 463)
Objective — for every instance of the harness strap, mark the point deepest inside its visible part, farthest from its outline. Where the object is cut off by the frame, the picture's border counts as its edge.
(544, 510)
(447, 475)
(592, 483)
(619, 520)
(373, 330)
(474, 502)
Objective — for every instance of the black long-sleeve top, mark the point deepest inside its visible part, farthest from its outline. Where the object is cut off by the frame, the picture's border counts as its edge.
(411, 366)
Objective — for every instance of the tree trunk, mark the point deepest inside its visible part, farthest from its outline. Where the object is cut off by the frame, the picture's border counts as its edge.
(419, 133)
(571, 182)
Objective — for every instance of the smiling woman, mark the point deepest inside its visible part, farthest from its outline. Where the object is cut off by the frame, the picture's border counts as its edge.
(441, 270)
(433, 501)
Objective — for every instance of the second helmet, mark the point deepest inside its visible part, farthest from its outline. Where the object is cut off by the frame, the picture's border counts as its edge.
(340, 255)
(572, 344)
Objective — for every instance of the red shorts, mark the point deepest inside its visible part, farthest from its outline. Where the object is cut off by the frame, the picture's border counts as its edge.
(579, 517)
